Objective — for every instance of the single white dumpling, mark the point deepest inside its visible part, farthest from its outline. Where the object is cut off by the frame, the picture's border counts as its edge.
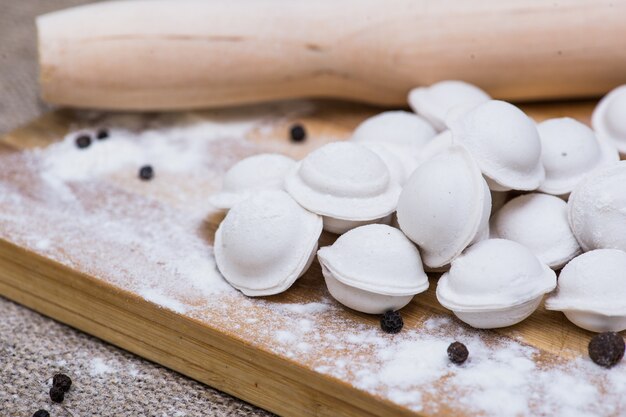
(504, 142)
(609, 118)
(434, 102)
(265, 171)
(445, 206)
(495, 283)
(346, 183)
(592, 291)
(373, 269)
(401, 129)
(539, 222)
(597, 209)
(569, 151)
(266, 242)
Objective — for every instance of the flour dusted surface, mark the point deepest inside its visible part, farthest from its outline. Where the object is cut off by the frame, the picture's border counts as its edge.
(87, 209)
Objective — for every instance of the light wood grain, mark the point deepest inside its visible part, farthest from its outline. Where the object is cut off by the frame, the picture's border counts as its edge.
(146, 55)
(221, 358)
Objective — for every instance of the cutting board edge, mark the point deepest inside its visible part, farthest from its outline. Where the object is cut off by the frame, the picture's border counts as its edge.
(48, 297)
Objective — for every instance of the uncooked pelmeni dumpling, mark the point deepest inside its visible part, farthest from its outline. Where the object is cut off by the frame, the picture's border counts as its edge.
(373, 269)
(597, 209)
(445, 206)
(346, 183)
(539, 222)
(402, 129)
(609, 118)
(504, 142)
(266, 242)
(569, 151)
(259, 172)
(434, 102)
(495, 283)
(591, 291)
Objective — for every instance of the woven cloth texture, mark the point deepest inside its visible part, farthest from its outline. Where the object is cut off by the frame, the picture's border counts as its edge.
(107, 381)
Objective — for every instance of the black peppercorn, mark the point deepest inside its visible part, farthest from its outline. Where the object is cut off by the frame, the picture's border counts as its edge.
(102, 134)
(62, 381)
(391, 322)
(83, 141)
(457, 353)
(297, 133)
(41, 413)
(146, 173)
(57, 395)
(606, 349)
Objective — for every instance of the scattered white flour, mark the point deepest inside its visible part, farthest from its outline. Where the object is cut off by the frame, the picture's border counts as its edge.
(406, 363)
(100, 367)
(501, 377)
(308, 308)
(158, 297)
(87, 210)
(43, 244)
(284, 336)
(305, 325)
(171, 149)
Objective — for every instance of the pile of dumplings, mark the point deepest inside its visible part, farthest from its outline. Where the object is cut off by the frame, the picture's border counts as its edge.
(466, 186)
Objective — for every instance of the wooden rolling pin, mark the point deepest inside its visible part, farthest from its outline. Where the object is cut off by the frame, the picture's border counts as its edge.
(176, 54)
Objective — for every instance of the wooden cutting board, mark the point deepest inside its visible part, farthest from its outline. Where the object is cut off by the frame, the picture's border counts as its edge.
(296, 354)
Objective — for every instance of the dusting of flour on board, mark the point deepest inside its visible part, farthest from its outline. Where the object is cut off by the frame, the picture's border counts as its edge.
(87, 209)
